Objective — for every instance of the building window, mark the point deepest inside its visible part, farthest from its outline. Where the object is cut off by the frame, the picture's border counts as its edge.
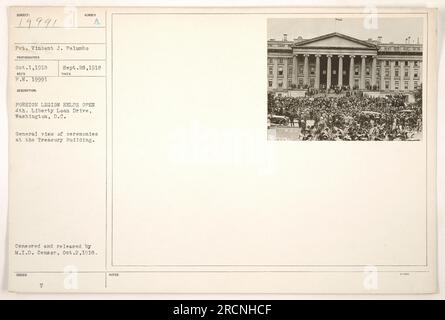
(368, 84)
(280, 71)
(406, 85)
(368, 72)
(300, 69)
(270, 60)
(280, 83)
(311, 82)
(406, 73)
(270, 71)
(289, 83)
(396, 72)
(406, 63)
(312, 70)
(396, 85)
(386, 72)
(356, 83)
(280, 60)
(386, 85)
(416, 63)
(270, 83)
(415, 84)
(289, 71)
(397, 63)
(300, 81)
(416, 74)
(356, 71)
(386, 63)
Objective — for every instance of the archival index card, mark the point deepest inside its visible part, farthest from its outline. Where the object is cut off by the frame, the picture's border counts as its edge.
(222, 150)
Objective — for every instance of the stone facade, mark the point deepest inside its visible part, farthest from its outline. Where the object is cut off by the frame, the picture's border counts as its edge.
(337, 60)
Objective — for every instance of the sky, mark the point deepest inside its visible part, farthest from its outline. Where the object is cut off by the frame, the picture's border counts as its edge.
(391, 29)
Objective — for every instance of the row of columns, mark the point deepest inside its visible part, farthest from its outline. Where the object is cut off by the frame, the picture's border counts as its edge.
(362, 82)
(340, 70)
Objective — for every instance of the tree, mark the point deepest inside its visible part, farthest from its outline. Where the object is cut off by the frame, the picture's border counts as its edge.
(418, 95)
(270, 102)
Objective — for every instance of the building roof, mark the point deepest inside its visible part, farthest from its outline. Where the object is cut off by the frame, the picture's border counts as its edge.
(332, 35)
(339, 40)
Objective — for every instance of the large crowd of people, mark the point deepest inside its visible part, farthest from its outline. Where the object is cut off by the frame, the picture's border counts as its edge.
(349, 117)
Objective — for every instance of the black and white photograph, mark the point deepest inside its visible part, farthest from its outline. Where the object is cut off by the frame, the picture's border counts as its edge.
(345, 79)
